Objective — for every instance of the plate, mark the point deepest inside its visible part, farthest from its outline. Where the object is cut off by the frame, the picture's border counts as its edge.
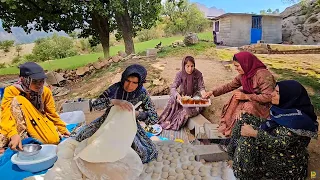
(156, 127)
(196, 105)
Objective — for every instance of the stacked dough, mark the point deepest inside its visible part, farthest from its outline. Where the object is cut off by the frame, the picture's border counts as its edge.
(176, 161)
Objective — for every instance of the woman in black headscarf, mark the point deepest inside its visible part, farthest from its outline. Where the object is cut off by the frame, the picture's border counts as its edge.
(128, 91)
(276, 148)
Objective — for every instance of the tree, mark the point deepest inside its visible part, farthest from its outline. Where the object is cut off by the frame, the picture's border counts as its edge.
(133, 15)
(95, 18)
(269, 11)
(262, 12)
(18, 49)
(182, 17)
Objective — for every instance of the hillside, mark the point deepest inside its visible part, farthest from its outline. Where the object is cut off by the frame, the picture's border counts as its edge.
(21, 37)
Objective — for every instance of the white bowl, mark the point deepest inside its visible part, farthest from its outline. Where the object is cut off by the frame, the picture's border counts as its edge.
(39, 162)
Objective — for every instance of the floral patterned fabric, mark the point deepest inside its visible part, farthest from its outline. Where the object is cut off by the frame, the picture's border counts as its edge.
(280, 154)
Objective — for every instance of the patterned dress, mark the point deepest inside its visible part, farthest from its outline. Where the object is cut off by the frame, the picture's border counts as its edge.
(258, 104)
(174, 115)
(280, 154)
(144, 147)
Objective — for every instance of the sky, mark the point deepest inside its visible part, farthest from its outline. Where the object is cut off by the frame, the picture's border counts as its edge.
(245, 6)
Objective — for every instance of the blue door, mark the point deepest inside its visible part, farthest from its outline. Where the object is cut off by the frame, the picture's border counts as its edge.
(256, 30)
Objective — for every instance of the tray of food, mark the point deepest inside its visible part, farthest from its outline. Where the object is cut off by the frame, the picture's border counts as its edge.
(187, 101)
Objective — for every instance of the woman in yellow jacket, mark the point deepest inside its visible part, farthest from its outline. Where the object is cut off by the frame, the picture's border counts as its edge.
(28, 110)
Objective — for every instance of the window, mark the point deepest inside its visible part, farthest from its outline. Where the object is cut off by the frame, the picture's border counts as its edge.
(216, 26)
(256, 22)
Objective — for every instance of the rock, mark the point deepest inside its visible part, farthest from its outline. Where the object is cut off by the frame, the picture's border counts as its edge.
(152, 52)
(301, 25)
(82, 71)
(98, 65)
(110, 61)
(54, 78)
(116, 59)
(91, 68)
(191, 39)
(157, 82)
(122, 54)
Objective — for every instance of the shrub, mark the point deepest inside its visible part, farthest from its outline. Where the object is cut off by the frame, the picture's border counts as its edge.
(55, 47)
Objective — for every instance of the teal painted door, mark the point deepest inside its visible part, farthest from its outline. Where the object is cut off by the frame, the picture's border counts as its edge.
(256, 30)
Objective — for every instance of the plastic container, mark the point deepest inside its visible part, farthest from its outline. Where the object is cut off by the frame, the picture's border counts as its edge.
(73, 117)
(42, 161)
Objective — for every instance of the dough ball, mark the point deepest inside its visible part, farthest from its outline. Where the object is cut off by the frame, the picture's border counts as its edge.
(171, 145)
(175, 156)
(180, 177)
(195, 172)
(179, 170)
(174, 161)
(165, 156)
(197, 177)
(179, 149)
(202, 169)
(173, 165)
(170, 158)
(184, 166)
(191, 158)
(203, 174)
(189, 176)
(206, 178)
(194, 163)
(186, 172)
(171, 178)
(163, 148)
(190, 167)
(165, 175)
(151, 163)
(173, 150)
(172, 173)
(214, 173)
(189, 150)
(157, 164)
(165, 169)
(149, 170)
(167, 151)
(166, 162)
(184, 145)
(155, 176)
(159, 159)
(157, 170)
(183, 159)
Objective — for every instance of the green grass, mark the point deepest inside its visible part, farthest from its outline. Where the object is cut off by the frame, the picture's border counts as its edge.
(189, 50)
(306, 81)
(81, 60)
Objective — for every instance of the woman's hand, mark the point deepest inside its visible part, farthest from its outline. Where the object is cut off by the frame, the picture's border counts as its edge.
(178, 97)
(207, 95)
(248, 131)
(124, 105)
(15, 143)
(240, 95)
(66, 134)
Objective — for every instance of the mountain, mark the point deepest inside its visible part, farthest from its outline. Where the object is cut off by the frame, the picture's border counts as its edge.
(21, 37)
(209, 12)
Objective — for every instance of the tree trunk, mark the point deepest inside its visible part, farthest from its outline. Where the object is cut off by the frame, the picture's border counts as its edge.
(101, 25)
(126, 27)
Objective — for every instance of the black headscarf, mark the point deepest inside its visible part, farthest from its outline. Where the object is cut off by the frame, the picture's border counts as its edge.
(133, 70)
(294, 110)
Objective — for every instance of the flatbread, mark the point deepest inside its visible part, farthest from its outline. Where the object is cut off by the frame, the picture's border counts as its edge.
(113, 139)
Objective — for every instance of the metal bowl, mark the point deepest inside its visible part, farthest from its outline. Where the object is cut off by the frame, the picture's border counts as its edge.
(30, 149)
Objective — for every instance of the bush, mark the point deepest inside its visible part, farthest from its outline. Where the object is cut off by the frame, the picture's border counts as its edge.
(6, 45)
(2, 65)
(55, 47)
